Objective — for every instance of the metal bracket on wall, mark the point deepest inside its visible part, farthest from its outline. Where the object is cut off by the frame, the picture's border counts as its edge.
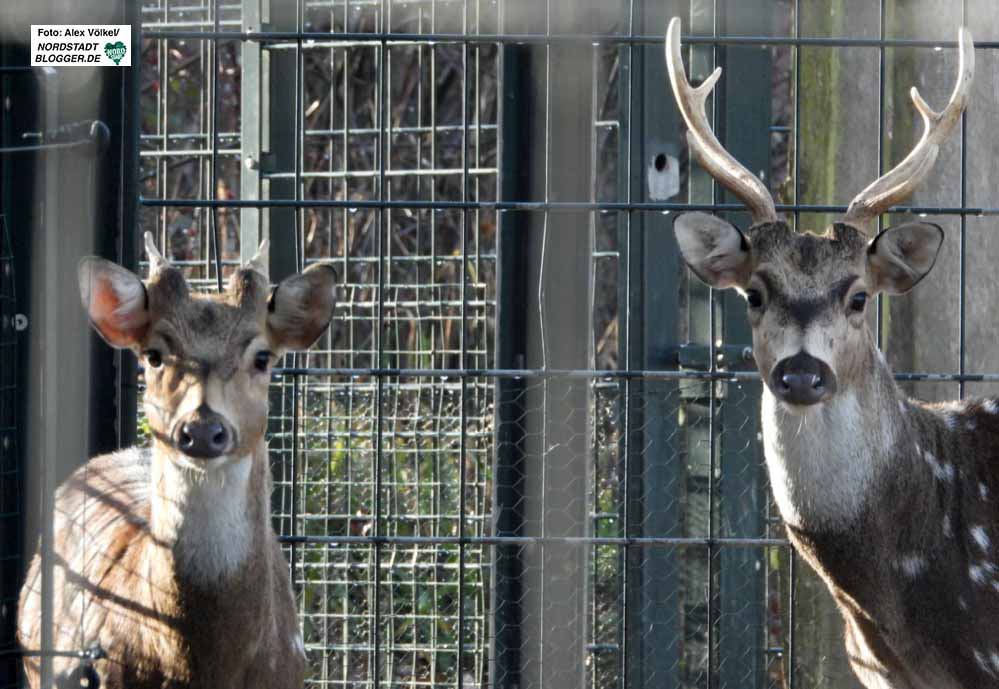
(72, 135)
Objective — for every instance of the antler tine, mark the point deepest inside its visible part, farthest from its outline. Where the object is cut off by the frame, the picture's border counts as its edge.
(260, 261)
(156, 260)
(901, 181)
(702, 141)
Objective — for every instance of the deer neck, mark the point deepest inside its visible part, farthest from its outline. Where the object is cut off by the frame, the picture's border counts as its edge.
(824, 461)
(211, 520)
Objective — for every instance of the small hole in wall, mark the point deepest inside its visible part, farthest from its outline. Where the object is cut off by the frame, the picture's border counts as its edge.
(660, 162)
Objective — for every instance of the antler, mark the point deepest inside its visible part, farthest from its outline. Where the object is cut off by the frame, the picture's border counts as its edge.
(260, 261)
(901, 181)
(156, 260)
(702, 141)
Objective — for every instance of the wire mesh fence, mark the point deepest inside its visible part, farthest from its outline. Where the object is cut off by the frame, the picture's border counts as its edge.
(479, 483)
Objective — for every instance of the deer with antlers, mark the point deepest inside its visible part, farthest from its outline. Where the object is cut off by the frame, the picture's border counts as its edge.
(894, 502)
(165, 558)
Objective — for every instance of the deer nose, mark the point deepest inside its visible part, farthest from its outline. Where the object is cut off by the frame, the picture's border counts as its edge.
(204, 439)
(802, 379)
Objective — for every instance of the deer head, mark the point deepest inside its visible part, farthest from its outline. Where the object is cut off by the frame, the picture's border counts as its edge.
(207, 358)
(807, 294)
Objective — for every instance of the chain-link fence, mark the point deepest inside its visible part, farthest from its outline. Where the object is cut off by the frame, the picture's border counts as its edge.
(527, 453)
(453, 519)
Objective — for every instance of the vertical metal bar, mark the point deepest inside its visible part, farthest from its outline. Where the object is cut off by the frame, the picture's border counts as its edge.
(738, 492)
(128, 220)
(712, 392)
(462, 361)
(964, 222)
(792, 587)
(795, 135)
(213, 46)
(879, 334)
(626, 113)
(379, 344)
(515, 145)
(791, 553)
(47, 404)
(650, 298)
(296, 383)
(250, 130)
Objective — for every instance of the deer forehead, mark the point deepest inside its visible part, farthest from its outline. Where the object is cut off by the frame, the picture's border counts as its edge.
(806, 263)
(209, 329)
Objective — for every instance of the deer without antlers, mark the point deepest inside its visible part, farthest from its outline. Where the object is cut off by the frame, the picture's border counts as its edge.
(891, 500)
(165, 558)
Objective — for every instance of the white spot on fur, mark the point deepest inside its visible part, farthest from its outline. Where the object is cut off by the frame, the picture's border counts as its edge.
(298, 644)
(980, 537)
(947, 530)
(962, 603)
(977, 574)
(942, 471)
(912, 565)
(983, 491)
(983, 661)
(990, 406)
(971, 425)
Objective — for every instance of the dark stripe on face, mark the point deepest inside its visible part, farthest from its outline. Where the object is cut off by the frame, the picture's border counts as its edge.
(804, 311)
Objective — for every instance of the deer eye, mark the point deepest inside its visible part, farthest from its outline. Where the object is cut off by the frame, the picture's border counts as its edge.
(153, 357)
(858, 301)
(754, 298)
(261, 360)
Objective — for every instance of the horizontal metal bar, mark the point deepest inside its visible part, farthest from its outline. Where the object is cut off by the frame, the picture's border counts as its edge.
(664, 541)
(545, 374)
(187, 152)
(92, 653)
(45, 147)
(608, 206)
(393, 38)
(417, 172)
(339, 132)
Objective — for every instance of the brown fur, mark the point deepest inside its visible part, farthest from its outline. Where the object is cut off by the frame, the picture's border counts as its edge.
(168, 562)
(922, 627)
(893, 502)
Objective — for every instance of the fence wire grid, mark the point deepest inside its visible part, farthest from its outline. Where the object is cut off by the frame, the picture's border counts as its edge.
(527, 452)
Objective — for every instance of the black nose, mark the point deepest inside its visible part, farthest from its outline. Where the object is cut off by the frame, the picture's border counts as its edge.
(802, 379)
(205, 439)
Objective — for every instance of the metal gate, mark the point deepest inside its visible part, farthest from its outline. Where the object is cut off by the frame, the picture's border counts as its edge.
(527, 453)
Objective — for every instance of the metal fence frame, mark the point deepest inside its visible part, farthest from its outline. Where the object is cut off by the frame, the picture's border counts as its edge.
(694, 371)
(654, 366)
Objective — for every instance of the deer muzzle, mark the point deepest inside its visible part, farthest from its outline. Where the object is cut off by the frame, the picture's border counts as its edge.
(203, 435)
(802, 380)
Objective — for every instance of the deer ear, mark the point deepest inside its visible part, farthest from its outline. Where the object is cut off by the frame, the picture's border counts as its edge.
(716, 251)
(301, 307)
(901, 256)
(115, 300)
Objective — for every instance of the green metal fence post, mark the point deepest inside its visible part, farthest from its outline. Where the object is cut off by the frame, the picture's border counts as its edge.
(649, 299)
(743, 124)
